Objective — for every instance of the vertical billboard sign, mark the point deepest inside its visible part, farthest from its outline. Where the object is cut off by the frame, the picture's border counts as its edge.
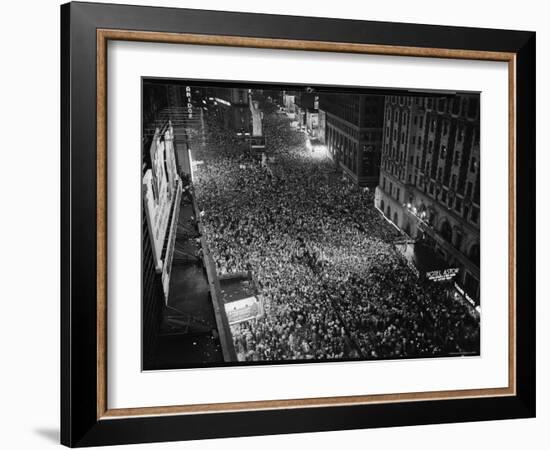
(174, 187)
(157, 198)
(161, 187)
(189, 103)
(170, 155)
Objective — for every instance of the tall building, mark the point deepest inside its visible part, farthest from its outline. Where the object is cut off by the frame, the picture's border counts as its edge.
(307, 112)
(162, 101)
(234, 110)
(257, 139)
(161, 196)
(179, 323)
(353, 134)
(273, 96)
(289, 98)
(322, 133)
(429, 179)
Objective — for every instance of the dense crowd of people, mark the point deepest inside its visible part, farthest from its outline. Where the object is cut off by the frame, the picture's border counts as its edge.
(333, 284)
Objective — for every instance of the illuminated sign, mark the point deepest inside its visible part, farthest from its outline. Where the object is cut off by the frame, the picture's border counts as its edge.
(244, 309)
(465, 294)
(168, 257)
(442, 275)
(161, 193)
(189, 104)
(156, 196)
(256, 118)
(223, 102)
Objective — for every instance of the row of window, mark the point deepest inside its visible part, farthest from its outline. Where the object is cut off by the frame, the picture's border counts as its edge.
(370, 135)
(457, 203)
(397, 169)
(394, 192)
(350, 131)
(445, 158)
(343, 148)
(346, 107)
(419, 122)
(457, 106)
(453, 237)
(466, 210)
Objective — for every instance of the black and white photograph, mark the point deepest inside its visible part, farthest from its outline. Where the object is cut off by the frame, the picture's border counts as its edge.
(278, 225)
(301, 224)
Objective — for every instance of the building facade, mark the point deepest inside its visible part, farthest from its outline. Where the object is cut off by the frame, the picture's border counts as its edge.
(307, 112)
(289, 98)
(234, 110)
(161, 196)
(322, 133)
(353, 134)
(429, 183)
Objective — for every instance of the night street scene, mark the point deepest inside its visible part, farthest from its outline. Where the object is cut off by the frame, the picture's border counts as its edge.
(299, 224)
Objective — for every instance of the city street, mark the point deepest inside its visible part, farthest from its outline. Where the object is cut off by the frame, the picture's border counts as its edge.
(334, 283)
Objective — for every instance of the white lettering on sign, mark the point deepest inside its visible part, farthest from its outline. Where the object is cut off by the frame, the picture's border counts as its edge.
(464, 294)
(189, 103)
(442, 275)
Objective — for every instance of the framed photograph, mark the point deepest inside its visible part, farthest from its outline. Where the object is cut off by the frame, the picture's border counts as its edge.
(278, 224)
